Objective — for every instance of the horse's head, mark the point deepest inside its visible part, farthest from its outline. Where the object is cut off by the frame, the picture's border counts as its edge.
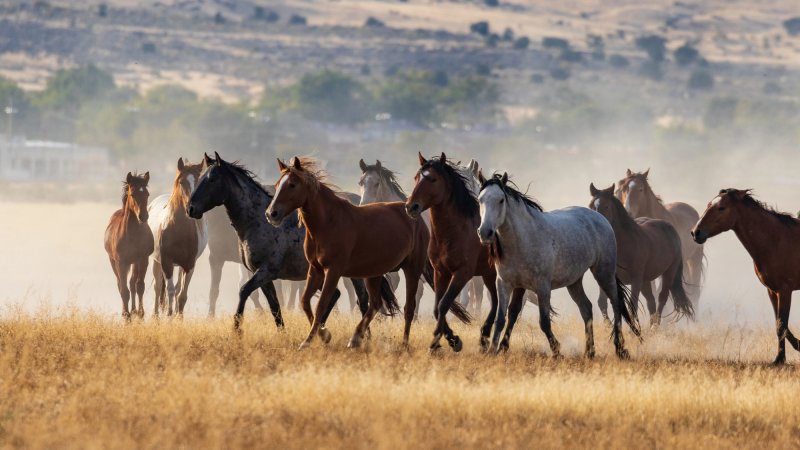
(186, 177)
(634, 191)
(720, 214)
(430, 186)
(136, 195)
(292, 190)
(212, 188)
(493, 202)
(603, 201)
(371, 183)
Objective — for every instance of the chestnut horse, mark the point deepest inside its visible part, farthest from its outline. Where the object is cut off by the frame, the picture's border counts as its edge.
(129, 242)
(455, 251)
(773, 241)
(353, 241)
(635, 193)
(179, 239)
(646, 249)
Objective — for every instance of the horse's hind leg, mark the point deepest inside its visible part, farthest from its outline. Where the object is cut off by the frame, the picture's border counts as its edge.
(271, 295)
(491, 284)
(602, 303)
(411, 274)
(374, 289)
(545, 322)
(213, 292)
(245, 275)
(351, 293)
(585, 306)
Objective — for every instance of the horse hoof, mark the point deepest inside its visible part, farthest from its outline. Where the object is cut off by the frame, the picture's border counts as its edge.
(435, 348)
(623, 354)
(325, 335)
(484, 345)
(589, 354)
(456, 344)
(779, 361)
(355, 342)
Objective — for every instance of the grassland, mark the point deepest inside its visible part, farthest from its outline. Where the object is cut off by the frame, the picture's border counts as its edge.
(73, 379)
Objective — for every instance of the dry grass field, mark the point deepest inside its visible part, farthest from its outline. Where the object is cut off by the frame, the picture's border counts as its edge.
(71, 379)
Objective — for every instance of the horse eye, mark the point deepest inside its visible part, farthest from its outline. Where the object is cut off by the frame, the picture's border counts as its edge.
(502, 200)
(721, 208)
(291, 185)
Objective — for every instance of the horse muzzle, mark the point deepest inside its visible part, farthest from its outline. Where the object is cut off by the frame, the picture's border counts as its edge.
(413, 210)
(274, 217)
(699, 236)
(143, 216)
(194, 212)
(486, 235)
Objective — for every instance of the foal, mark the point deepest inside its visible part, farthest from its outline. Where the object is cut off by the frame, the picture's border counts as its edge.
(129, 242)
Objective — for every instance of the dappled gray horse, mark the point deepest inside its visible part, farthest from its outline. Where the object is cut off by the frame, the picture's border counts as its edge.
(543, 251)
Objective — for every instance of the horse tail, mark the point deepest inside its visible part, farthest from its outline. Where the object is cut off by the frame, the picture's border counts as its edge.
(456, 307)
(427, 272)
(390, 306)
(627, 309)
(683, 305)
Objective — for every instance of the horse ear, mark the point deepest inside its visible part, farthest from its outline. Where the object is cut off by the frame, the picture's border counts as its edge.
(646, 173)
(474, 167)
(593, 190)
(362, 165)
(296, 163)
(504, 179)
(218, 158)
(180, 163)
(610, 190)
(481, 178)
(129, 178)
(443, 157)
(207, 160)
(147, 177)
(281, 165)
(378, 164)
(422, 159)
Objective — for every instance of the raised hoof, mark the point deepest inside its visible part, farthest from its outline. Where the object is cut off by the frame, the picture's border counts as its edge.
(623, 354)
(325, 335)
(456, 344)
(435, 348)
(355, 342)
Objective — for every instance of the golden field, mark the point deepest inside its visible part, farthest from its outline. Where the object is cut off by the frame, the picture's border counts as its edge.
(74, 379)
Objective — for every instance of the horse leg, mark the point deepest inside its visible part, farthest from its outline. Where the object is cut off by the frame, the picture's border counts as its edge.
(314, 280)
(578, 295)
(477, 294)
(259, 278)
(140, 275)
(503, 296)
(645, 288)
(374, 289)
(351, 293)
(440, 282)
(666, 283)
(245, 275)
(213, 292)
(323, 330)
(545, 313)
(158, 287)
(457, 283)
(186, 277)
(268, 289)
(362, 296)
(608, 284)
(331, 279)
(514, 308)
(122, 285)
(602, 303)
(418, 298)
(782, 304)
(491, 283)
(132, 287)
(169, 270)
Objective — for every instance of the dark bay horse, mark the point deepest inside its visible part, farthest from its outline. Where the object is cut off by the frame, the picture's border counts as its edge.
(129, 242)
(773, 241)
(268, 252)
(455, 251)
(345, 240)
(179, 239)
(635, 193)
(646, 249)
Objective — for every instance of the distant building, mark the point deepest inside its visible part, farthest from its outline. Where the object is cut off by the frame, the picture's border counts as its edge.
(32, 160)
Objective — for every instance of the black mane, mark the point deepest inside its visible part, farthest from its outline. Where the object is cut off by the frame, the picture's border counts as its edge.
(390, 178)
(511, 190)
(749, 200)
(461, 197)
(625, 219)
(238, 168)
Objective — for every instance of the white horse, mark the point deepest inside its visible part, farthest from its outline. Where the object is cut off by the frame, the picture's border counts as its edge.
(543, 251)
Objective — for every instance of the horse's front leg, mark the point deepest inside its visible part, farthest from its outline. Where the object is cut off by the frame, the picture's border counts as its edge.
(259, 278)
(491, 284)
(457, 284)
(183, 294)
(328, 288)
(514, 308)
(122, 270)
(270, 293)
(314, 280)
(440, 282)
(374, 289)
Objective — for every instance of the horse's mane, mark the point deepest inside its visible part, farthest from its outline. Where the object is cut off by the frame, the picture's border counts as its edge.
(390, 178)
(136, 182)
(749, 200)
(175, 197)
(315, 177)
(625, 220)
(511, 190)
(461, 196)
(239, 169)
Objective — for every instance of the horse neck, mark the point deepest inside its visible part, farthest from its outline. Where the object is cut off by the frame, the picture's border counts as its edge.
(320, 209)
(516, 227)
(622, 221)
(653, 207)
(388, 193)
(757, 230)
(245, 206)
(445, 218)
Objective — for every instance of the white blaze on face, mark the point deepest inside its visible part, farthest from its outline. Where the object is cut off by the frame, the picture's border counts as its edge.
(191, 180)
(631, 185)
(281, 183)
(426, 173)
(597, 204)
(716, 200)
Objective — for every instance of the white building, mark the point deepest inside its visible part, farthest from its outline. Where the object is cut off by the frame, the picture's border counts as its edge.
(24, 160)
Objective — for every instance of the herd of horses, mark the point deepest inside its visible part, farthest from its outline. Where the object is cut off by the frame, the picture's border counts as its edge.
(457, 231)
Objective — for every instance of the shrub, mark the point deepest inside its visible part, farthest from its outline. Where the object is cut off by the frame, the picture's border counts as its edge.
(686, 54)
(654, 45)
(267, 15)
(492, 3)
(148, 47)
(483, 69)
(481, 28)
(296, 19)
(537, 78)
(701, 80)
(492, 40)
(522, 43)
(102, 10)
(618, 61)
(373, 22)
(792, 26)
(219, 19)
(330, 96)
(560, 73)
(508, 35)
(570, 55)
(554, 42)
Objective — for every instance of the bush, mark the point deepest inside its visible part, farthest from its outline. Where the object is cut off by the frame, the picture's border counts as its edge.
(560, 73)
(554, 42)
(654, 45)
(570, 55)
(701, 80)
(332, 97)
(483, 69)
(481, 28)
(148, 47)
(102, 10)
(296, 19)
(651, 70)
(686, 54)
(365, 70)
(267, 15)
(792, 26)
(219, 19)
(373, 22)
(492, 40)
(522, 43)
(596, 46)
(492, 3)
(618, 61)
(508, 35)
(69, 89)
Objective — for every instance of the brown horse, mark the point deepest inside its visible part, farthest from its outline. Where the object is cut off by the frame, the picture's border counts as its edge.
(129, 242)
(352, 241)
(646, 249)
(773, 241)
(179, 239)
(635, 193)
(455, 250)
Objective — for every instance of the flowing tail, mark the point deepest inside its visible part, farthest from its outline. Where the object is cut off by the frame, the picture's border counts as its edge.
(390, 306)
(627, 309)
(683, 305)
(456, 307)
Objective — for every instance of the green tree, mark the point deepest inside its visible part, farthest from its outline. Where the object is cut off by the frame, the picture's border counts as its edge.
(68, 89)
(334, 97)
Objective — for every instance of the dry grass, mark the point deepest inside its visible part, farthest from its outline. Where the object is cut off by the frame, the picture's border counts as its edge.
(79, 380)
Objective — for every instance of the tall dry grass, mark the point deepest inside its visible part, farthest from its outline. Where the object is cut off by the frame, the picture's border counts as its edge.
(81, 380)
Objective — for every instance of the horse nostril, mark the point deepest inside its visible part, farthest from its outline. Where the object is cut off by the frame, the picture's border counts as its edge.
(273, 214)
(490, 233)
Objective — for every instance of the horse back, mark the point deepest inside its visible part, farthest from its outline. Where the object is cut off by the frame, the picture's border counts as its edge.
(683, 215)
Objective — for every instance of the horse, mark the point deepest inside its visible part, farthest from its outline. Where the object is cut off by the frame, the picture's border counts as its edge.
(379, 184)
(179, 239)
(771, 238)
(646, 249)
(542, 251)
(129, 242)
(454, 250)
(268, 252)
(345, 240)
(635, 193)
